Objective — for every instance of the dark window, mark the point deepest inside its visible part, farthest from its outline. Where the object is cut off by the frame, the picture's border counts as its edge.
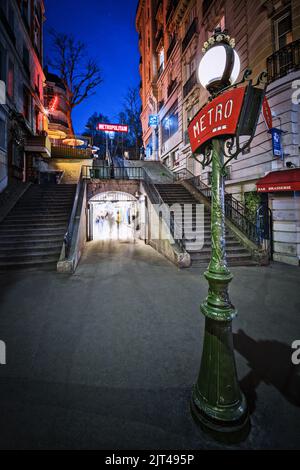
(2, 134)
(2, 63)
(169, 123)
(26, 103)
(26, 59)
(282, 29)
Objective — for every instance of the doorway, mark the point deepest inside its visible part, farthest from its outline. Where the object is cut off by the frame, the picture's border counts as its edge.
(114, 215)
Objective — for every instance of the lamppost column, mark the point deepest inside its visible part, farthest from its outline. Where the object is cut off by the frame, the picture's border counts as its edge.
(217, 401)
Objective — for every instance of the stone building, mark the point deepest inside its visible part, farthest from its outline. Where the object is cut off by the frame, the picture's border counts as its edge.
(267, 34)
(22, 118)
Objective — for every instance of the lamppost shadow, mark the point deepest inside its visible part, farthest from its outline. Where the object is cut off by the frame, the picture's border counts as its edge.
(270, 362)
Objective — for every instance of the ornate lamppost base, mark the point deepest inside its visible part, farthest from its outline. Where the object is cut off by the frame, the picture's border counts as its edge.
(229, 432)
(218, 405)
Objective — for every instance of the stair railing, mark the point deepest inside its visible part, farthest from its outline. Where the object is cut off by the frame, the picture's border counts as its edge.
(156, 198)
(69, 233)
(235, 211)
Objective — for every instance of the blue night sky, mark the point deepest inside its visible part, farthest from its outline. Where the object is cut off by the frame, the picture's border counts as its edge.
(108, 29)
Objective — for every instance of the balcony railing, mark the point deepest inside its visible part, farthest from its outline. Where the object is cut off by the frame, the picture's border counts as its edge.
(55, 120)
(172, 87)
(171, 47)
(189, 85)
(61, 151)
(284, 61)
(189, 35)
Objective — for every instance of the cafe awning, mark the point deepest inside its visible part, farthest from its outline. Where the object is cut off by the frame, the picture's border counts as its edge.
(277, 181)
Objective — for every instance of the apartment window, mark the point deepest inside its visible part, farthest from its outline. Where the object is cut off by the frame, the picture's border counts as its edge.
(10, 79)
(26, 103)
(169, 123)
(190, 18)
(2, 63)
(2, 134)
(282, 30)
(190, 68)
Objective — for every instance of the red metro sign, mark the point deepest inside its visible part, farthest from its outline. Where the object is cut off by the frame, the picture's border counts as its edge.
(219, 117)
(112, 127)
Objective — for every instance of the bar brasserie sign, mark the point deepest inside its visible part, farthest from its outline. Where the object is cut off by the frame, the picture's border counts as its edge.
(219, 117)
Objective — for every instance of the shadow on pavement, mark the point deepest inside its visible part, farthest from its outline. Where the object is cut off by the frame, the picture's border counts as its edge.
(270, 362)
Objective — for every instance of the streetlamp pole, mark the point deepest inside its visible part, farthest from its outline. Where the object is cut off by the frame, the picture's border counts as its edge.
(217, 401)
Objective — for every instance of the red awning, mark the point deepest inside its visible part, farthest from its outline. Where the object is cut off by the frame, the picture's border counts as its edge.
(284, 180)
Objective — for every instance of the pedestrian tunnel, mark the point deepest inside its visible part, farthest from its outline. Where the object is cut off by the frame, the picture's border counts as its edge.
(114, 215)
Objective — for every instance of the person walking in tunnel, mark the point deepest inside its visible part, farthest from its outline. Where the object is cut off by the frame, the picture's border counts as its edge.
(118, 221)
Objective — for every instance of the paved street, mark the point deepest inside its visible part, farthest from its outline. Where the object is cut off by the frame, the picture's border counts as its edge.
(106, 358)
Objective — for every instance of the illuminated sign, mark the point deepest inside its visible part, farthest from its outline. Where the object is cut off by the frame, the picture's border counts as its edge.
(219, 117)
(112, 127)
(267, 113)
(276, 142)
(153, 120)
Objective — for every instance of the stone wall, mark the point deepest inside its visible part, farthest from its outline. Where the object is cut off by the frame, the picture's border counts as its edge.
(71, 167)
(101, 186)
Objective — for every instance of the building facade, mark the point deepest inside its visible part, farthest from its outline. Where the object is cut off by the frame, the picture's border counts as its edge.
(56, 109)
(267, 35)
(23, 123)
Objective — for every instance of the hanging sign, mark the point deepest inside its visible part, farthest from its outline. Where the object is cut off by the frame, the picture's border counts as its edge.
(277, 142)
(267, 114)
(219, 117)
(153, 120)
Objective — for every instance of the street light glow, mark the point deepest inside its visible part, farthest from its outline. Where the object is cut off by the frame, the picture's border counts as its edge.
(213, 65)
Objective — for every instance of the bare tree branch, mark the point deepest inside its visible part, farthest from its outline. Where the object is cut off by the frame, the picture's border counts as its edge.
(79, 75)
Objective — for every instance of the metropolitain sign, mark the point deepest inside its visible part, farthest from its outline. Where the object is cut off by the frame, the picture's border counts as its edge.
(112, 127)
(219, 117)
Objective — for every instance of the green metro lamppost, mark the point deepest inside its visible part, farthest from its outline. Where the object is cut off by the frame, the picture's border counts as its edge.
(218, 133)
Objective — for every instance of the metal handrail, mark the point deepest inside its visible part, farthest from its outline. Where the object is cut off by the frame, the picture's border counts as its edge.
(69, 233)
(235, 211)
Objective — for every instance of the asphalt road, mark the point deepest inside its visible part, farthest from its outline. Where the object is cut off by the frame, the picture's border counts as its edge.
(106, 358)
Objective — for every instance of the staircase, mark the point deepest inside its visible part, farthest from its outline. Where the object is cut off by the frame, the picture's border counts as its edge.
(32, 234)
(237, 254)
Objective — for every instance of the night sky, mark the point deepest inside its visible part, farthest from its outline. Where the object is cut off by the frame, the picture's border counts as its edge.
(108, 29)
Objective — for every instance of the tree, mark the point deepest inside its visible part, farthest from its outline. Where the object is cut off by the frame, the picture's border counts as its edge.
(99, 137)
(79, 73)
(131, 113)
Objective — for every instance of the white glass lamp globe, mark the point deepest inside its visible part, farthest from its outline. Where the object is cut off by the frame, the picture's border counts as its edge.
(219, 67)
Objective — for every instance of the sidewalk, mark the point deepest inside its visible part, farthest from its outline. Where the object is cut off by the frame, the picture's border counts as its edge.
(106, 358)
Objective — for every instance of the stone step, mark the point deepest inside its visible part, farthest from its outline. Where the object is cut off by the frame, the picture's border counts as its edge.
(46, 263)
(43, 217)
(30, 237)
(20, 242)
(207, 251)
(38, 223)
(36, 231)
(31, 256)
(21, 250)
